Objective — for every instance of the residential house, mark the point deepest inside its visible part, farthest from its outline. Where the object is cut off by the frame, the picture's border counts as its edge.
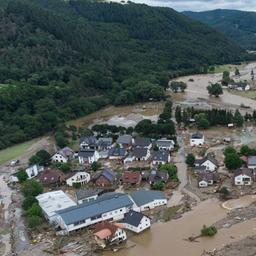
(87, 195)
(117, 153)
(105, 178)
(147, 199)
(131, 178)
(207, 179)
(108, 233)
(125, 141)
(51, 177)
(240, 86)
(141, 142)
(156, 175)
(243, 177)
(88, 156)
(136, 221)
(33, 170)
(251, 162)
(164, 144)
(110, 206)
(81, 178)
(138, 154)
(104, 144)
(160, 157)
(88, 142)
(197, 139)
(210, 163)
(53, 201)
(63, 156)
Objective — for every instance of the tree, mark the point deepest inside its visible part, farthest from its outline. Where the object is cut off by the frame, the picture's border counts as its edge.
(95, 166)
(34, 221)
(31, 188)
(229, 150)
(225, 78)
(232, 161)
(238, 119)
(201, 121)
(61, 141)
(22, 175)
(144, 127)
(34, 210)
(190, 160)
(28, 202)
(237, 73)
(224, 192)
(178, 85)
(42, 157)
(208, 231)
(65, 167)
(159, 185)
(172, 171)
(215, 89)
(178, 115)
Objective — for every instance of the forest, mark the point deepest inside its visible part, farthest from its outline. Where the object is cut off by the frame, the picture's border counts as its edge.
(60, 60)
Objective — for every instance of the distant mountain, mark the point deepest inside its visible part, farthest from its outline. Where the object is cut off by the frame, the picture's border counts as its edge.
(239, 26)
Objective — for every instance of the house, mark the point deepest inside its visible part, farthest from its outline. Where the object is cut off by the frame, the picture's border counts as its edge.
(208, 162)
(104, 143)
(88, 142)
(240, 86)
(156, 176)
(251, 162)
(105, 178)
(136, 221)
(160, 157)
(108, 233)
(125, 141)
(53, 201)
(164, 144)
(116, 153)
(243, 177)
(110, 206)
(51, 177)
(87, 195)
(88, 156)
(141, 154)
(33, 170)
(141, 142)
(131, 178)
(207, 179)
(81, 178)
(147, 199)
(196, 139)
(63, 156)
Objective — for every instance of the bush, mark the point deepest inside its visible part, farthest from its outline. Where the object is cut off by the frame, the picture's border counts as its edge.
(159, 185)
(35, 210)
(31, 188)
(22, 176)
(76, 185)
(95, 166)
(65, 167)
(28, 202)
(208, 231)
(34, 221)
(190, 160)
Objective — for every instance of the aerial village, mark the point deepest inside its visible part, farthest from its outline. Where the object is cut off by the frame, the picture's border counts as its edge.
(119, 182)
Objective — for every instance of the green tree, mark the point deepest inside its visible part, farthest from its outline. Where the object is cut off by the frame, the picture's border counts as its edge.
(95, 166)
(215, 89)
(171, 169)
(42, 157)
(225, 78)
(238, 119)
(232, 161)
(34, 221)
(237, 73)
(190, 160)
(65, 167)
(28, 202)
(201, 121)
(208, 231)
(31, 188)
(224, 192)
(34, 210)
(159, 185)
(178, 114)
(22, 175)
(229, 150)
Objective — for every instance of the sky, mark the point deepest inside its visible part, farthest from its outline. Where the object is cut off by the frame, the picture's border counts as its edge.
(202, 5)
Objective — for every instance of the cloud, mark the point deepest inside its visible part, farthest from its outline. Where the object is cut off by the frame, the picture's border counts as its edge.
(201, 5)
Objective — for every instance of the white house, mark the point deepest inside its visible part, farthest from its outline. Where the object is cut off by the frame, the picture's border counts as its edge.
(88, 156)
(243, 177)
(197, 139)
(164, 144)
(78, 177)
(207, 179)
(33, 170)
(136, 221)
(208, 162)
(109, 233)
(53, 201)
(138, 154)
(147, 199)
(63, 156)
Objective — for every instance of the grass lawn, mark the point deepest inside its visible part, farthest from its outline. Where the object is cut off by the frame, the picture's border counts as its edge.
(226, 67)
(169, 212)
(14, 151)
(247, 94)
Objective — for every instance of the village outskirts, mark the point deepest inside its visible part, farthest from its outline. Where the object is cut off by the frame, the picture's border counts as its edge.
(105, 183)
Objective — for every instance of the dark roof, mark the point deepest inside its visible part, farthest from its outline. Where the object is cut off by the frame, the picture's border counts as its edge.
(164, 142)
(131, 177)
(107, 173)
(86, 153)
(160, 156)
(124, 139)
(121, 152)
(105, 142)
(201, 161)
(243, 171)
(142, 142)
(251, 160)
(208, 176)
(85, 193)
(133, 218)
(51, 176)
(156, 175)
(66, 152)
(139, 152)
(97, 207)
(197, 135)
(143, 196)
(90, 140)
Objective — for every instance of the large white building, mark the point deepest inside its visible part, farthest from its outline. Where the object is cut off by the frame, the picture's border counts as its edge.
(51, 202)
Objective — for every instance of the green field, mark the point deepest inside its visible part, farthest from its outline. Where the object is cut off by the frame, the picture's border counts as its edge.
(14, 151)
(226, 67)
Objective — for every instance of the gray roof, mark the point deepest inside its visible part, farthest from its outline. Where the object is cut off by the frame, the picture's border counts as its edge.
(133, 218)
(85, 193)
(102, 204)
(211, 159)
(124, 139)
(117, 152)
(90, 140)
(244, 171)
(86, 153)
(139, 152)
(197, 135)
(251, 160)
(142, 196)
(165, 143)
(105, 142)
(156, 175)
(142, 142)
(208, 176)
(160, 156)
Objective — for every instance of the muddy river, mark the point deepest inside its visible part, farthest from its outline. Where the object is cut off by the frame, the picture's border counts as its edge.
(170, 238)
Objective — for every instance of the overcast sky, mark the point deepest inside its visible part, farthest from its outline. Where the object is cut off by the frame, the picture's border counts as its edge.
(202, 5)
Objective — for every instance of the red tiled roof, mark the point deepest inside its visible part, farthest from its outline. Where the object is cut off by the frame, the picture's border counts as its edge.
(131, 177)
(105, 230)
(51, 176)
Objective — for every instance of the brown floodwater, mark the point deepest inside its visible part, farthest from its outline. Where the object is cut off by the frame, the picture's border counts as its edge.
(170, 238)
